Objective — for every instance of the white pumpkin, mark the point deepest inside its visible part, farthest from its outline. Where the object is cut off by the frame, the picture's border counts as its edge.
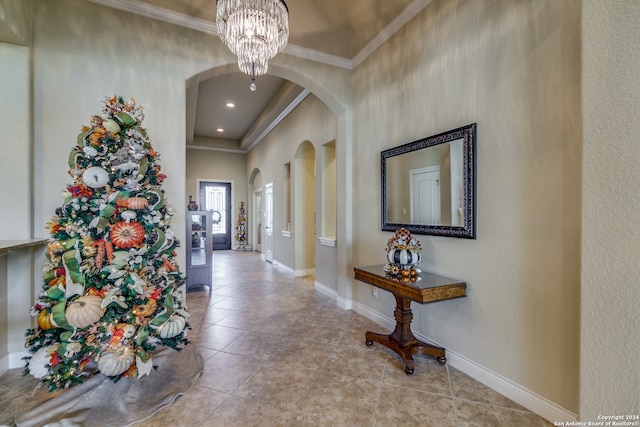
(39, 361)
(84, 311)
(172, 327)
(111, 125)
(116, 361)
(95, 177)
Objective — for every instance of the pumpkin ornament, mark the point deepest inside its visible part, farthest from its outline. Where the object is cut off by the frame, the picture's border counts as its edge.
(172, 327)
(135, 203)
(39, 361)
(115, 361)
(126, 235)
(44, 320)
(84, 311)
(95, 177)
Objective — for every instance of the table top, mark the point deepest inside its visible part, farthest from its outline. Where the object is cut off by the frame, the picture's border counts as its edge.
(427, 288)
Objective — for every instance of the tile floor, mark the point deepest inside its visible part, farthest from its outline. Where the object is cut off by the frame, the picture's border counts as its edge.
(277, 353)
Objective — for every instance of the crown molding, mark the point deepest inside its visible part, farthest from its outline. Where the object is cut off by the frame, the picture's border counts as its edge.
(176, 18)
(317, 56)
(208, 148)
(412, 10)
(150, 11)
(285, 112)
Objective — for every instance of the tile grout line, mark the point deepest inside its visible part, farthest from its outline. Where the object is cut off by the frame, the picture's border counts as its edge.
(453, 398)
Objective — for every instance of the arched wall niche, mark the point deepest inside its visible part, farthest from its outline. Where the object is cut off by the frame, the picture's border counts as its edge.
(255, 209)
(304, 202)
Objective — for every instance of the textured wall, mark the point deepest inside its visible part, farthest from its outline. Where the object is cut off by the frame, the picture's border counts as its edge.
(15, 21)
(310, 121)
(15, 162)
(512, 67)
(610, 339)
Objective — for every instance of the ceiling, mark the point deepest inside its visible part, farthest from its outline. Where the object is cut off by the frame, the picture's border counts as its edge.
(336, 32)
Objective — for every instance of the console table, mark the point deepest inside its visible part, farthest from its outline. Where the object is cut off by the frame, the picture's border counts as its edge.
(425, 288)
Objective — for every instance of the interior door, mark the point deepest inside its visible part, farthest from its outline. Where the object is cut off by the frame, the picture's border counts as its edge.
(268, 222)
(425, 196)
(216, 198)
(257, 215)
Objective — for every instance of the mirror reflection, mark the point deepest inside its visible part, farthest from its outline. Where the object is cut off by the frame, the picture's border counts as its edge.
(428, 186)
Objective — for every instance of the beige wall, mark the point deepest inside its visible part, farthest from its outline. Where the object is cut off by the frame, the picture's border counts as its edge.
(16, 171)
(511, 67)
(610, 338)
(310, 122)
(514, 67)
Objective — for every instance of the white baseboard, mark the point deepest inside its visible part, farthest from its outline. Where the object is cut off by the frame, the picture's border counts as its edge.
(295, 273)
(340, 302)
(12, 361)
(535, 403)
(325, 290)
(282, 266)
(547, 409)
(305, 272)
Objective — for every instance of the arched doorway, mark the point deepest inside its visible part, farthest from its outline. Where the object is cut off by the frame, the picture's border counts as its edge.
(337, 101)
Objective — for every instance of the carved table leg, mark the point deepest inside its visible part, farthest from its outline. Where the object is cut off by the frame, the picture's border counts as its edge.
(402, 340)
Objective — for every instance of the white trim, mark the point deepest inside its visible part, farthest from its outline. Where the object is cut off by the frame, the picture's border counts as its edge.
(282, 266)
(12, 361)
(305, 272)
(405, 16)
(284, 113)
(345, 304)
(340, 302)
(328, 241)
(525, 397)
(208, 148)
(325, 290)
(15, 359)
(176, 18)
(161, 14)
(317, 56)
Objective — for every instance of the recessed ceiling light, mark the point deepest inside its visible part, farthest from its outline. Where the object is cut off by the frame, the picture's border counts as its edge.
(230, 104)
(220, 130)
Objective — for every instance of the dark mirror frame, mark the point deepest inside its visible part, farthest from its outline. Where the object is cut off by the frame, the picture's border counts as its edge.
(468, 230)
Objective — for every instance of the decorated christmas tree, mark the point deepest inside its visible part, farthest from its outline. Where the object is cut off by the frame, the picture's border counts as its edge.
(241, 227)
(112, 291)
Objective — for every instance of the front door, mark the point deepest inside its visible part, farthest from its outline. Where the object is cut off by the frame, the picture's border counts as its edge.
(216, 198)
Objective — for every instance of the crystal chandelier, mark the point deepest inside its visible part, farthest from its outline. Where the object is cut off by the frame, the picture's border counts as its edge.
(254, 30)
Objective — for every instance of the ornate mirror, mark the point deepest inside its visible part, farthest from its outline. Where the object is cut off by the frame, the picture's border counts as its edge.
(429, 185)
